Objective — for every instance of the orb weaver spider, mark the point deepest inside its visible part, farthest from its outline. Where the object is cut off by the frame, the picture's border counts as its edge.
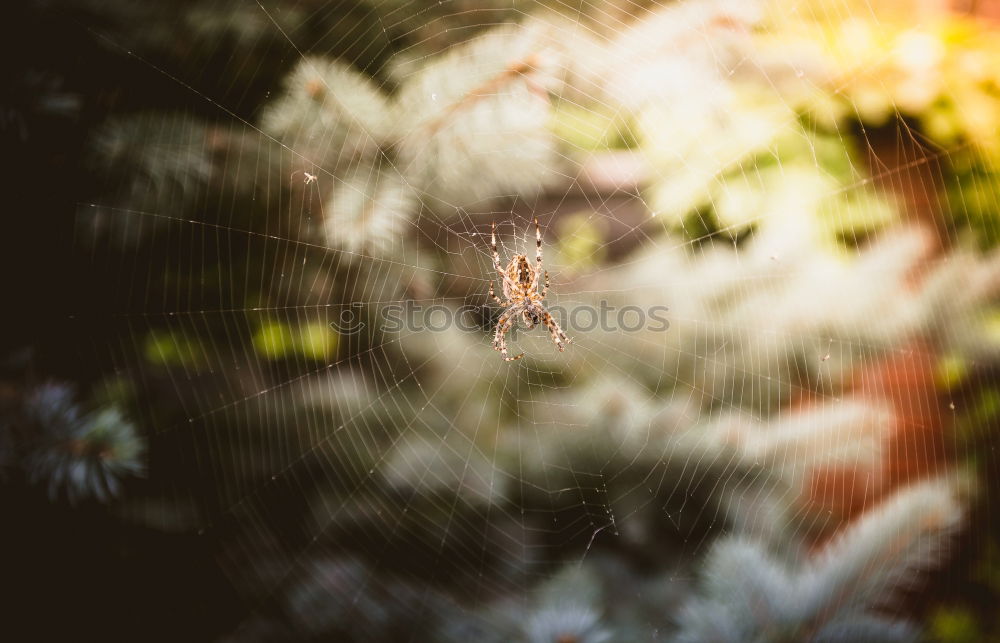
(520, 289)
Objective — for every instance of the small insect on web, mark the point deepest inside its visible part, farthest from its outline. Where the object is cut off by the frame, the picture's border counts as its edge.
(520, 290)
(308, 178)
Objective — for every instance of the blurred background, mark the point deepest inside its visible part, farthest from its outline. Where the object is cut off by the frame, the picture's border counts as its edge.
(207, 432)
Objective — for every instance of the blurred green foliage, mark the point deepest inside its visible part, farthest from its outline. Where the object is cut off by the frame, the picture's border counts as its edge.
(592, 127)
(942, 75)
(954, 625)
(951, 371)
(173, 349)
(581, 241)
(277, 340)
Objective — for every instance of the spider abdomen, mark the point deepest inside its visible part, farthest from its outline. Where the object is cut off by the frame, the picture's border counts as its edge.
(532, 317)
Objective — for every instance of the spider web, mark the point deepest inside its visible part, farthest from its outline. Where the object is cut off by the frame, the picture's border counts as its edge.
(361, 482)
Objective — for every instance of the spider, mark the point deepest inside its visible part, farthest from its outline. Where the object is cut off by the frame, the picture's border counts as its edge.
(520, 288)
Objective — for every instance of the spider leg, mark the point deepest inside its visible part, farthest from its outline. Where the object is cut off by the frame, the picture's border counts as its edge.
(496, 253)
(494, 296)
(558, 336)
(545, 289)
(500, 337)
(493, 245)
(538, 254)
(496, 257)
